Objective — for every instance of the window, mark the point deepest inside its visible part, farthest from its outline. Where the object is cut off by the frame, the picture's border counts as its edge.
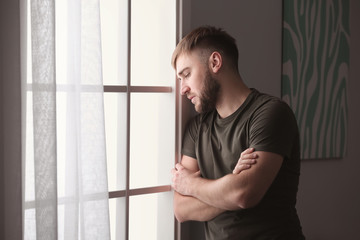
(137, 43)
(137, 40)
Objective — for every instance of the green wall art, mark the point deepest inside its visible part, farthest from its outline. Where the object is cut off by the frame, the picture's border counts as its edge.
(315, 69)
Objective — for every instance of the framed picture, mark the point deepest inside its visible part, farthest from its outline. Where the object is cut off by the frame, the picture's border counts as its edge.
(315, 73)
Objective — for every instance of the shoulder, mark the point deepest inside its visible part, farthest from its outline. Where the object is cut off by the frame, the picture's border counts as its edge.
(270, 107)
(272, 115)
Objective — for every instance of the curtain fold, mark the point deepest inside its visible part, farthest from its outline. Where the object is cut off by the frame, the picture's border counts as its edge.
(44, 117)
(66, 190)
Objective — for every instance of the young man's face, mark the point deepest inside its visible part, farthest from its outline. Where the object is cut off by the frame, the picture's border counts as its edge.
(196, 82)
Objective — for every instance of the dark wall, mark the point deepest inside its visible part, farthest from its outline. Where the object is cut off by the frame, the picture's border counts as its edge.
(1, 133)
(10, 108)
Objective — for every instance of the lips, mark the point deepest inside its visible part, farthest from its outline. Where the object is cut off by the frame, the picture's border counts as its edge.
(191, 98)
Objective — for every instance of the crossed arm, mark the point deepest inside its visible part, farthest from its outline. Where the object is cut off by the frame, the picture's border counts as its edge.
(201, 199)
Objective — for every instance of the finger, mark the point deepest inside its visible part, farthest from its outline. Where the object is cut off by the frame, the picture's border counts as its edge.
(246, 161)
(247, 151)
(243, 164)
(249, 156)
(173, 171)
(178, 166)
(241, 167)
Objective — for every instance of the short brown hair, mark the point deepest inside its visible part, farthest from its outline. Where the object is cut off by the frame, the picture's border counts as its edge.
(210, 39)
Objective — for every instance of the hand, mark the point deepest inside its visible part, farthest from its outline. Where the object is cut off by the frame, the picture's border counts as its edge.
(182, 179)
(247, 158)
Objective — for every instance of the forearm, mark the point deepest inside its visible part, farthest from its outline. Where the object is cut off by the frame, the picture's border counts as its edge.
(237, 191)
(224, 193)
(209, 195)
(188, 208)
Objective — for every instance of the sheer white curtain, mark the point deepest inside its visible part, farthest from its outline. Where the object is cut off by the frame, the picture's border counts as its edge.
(65, 177)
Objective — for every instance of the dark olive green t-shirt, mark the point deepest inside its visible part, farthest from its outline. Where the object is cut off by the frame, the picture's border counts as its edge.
(267, 124)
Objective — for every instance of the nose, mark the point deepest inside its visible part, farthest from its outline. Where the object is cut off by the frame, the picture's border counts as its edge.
(184, 89)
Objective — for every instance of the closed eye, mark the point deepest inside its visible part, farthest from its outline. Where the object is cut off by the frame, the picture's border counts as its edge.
(184, 72)
(185, 76)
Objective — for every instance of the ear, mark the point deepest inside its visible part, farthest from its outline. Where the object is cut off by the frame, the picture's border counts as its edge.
(215, 62)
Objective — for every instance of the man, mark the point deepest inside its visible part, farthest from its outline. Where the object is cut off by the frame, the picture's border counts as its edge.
(236, 198)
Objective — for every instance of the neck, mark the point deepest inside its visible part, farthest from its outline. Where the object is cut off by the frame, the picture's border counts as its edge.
(232, 95)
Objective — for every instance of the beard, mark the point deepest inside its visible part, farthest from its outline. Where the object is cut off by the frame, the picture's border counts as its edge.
(209, 94)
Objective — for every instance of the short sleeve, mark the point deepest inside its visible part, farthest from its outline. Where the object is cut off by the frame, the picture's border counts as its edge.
(189, 138)
(273, 128)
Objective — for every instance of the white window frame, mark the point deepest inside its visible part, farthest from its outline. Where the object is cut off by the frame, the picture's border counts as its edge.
(129, 89)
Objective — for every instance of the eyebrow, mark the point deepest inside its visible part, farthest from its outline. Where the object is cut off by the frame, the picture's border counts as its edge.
(182, 71)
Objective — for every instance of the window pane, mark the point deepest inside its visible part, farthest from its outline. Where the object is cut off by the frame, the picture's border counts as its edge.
(62, 44)
(115, 128)
(114, 38)
(117, 218)
(30, 224)
(153, 32)
(151, 217)
(29, 148)
(63, 100)
(152, 135)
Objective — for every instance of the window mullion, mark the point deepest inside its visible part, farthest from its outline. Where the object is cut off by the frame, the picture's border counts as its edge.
(138, 89)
